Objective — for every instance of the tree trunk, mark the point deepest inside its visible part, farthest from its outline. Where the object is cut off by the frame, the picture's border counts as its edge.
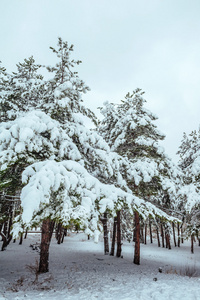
(52, 224)
(167, 237)
(65, 233)
(21, 239)
(151, 238)
(5, 227)
(142, 232)
(169, 243)
(59, 233)
(45, 243)
(162, 235)
(119, 242)
(10, 223)
(158, 238)
(112, 252)
(6, 239)
(145, 234)
(174, 234)
(181, 234)
(179, 239)
(105, 231)
(25, 236)
(192, 243)
(137, 239)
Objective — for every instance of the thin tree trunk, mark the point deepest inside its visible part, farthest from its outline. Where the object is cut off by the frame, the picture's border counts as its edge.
(5, 234)
(174, 234)
(158, 238)
(45, 243)
(145, 234)
(151, 238)
(5, 228)
(142, 233)
(9, 237)
(4, 239)
(112, 252)
(162, 235)
(51, 226)
(119, 242)
(181, 234)
(105, 231)
(25, 236)
(179, 239)
(169, 243)
(59, 234)
(167, 237)
(137, 239)
(192, 243)
(65, 233)
(21, 239)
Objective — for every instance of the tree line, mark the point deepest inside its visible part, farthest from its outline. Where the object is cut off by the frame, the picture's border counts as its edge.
(66, 173)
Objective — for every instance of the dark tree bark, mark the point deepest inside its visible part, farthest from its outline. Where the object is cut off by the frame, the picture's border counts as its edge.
(25, 236)
(141, 232)
(167, 237)
(145, 234)
(4, 245)
(45, 243)
(5, 228)
(174, 235)
(59, 233)
(21, 239)
(179, 238)
(158, 238)
(65, 234)
(162, 235)
(51, 228)
(192, 243)
(4, 238)
(137, 239)
(105, 232)
(5, 234)
(151, 238)
(119, 242)
(181, 234)
(112, 252)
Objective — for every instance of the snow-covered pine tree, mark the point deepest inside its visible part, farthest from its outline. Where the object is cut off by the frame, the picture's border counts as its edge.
(68, 171)
(189, 194)
(129, 129)
(21, 91)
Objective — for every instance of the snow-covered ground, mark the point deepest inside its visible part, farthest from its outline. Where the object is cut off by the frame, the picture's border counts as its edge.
(80, 270)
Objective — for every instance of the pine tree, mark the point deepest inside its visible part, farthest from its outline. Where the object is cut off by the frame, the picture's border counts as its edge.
(21, 91)
(189, 162)
(129, 129)
(63, 170)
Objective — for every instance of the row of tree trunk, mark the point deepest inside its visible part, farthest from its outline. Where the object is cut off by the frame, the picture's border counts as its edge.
(140, 235)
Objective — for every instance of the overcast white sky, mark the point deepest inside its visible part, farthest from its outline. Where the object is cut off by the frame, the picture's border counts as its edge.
(124, 44)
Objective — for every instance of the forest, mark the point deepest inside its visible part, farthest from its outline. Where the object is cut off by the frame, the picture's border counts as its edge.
(113, 179)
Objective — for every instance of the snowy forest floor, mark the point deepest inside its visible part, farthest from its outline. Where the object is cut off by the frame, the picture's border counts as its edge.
(80, 270)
